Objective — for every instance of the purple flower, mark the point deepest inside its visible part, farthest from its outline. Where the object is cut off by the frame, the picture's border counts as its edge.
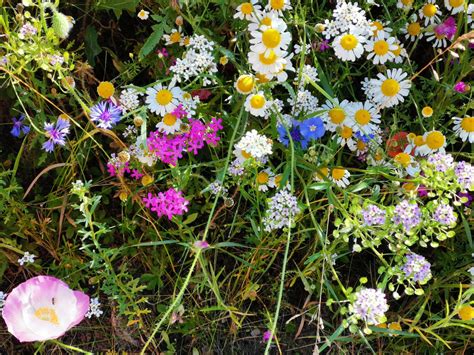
(201, 244)
(56, 134)
(417, 268)
(441, 162)
(373, 215)
(448, 28)
(312, 128)
(43, 308)
(422, 191)
(136, 174)
(169, 203)
(370, 305)
(27, 30)
(295, 133)
(461, 87)
(105, 114)
(465, 174)
(468, 196)
(19, 126)
(444, 214)
(324, 45)
(267, 336)
(408, 214)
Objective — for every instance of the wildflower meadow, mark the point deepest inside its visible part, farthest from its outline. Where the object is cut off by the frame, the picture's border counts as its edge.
(236, 177)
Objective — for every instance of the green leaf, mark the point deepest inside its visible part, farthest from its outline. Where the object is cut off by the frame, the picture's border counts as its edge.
(117, 6)
(92, 46)
(152, 41)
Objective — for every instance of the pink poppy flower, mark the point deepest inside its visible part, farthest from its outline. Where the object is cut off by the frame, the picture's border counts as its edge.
(43, 308)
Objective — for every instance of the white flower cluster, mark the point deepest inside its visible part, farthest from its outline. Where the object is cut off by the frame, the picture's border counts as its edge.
(27, 259)
(129, 99)
(255, 144)
(94, 308)
(198, 60)
(346, 16)
(281, 208)
(308, 73)
(305, 102)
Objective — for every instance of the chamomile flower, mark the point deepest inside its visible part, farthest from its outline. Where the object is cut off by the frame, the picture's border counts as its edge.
(247, 9)
(470, 15)
(278, 6)
(464, 128)
(169, 124)
(399, 52)
(173, 37)
(363, 117)
(266, 64)
(257, 104)
(245, 84)
(412, 29)
(321, 174)
(407, 162)
(381, 49)
(162, 100)
(405, 4)
(435, 141)
(429, 12)
(349, 46)
(241, 155)
(439, 39)
(336, 114)
(427, 111)
(455, 6)
(345, 136)
(340, 177)
(268, 40)
(282, 74)
(263, 18)
(390, 89)
(415, 144)
(143, 15)
(380, 28)
(265, 180)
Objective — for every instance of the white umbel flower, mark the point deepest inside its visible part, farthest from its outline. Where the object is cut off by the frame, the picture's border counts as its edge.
(390, 89)
(162, 100)
(381, 49)
(464, 128)
(256, 145)
(257, 104)
(129, 99)
(349, 46)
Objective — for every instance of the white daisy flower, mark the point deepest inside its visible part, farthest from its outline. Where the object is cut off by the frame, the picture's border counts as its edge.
(173, 37)
(336, 115)
(245, 84)
(363, 117)
(380, 28)
(275, 181)
(170, 124)
(278, 6)
(241, 155)
(415, 144)
(455, 6)
(268, 40)
(340, 177)
(381, 48)
(257, 104)
(399, 52)
(143, 15)
(412, 29)
(406, 161)
(464, 128)
(377, 158)
(282, 74)
(435, 141)
(405, 4)
(390, 89)
(470, 15)
(429, 12)
(162, 100)
(265, 180)
(439, 40)
(349, 46)
(345, 136)
(269, 64)
(321, 174)
(263, 18)
(246, 10)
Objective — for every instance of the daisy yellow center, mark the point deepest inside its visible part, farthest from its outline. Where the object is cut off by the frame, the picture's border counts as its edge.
(338, 174)
(397, 51)
(378, 27)
(456, 3)
(467, 124)
(361, 145)
(266, 21)
(175, 37)
(277, 4)
(262, 78)
(105, 89)
(466, 312)
(278, 179)
(429, 10)
(270, 59)
(164, 97)
(362, 117)
(186, 41)
(245, 154)
(349, 42)
(47, 314)
(414, 29)
(337, 115)
(381, 47)
(262, 177)
(245, 83)
(427, 111)
(409, 186)
(169, 119)
(403, 159)
(407, 2)
(323, 171)
(271, 38)
(346, 132)
(390, 87)
(419, 141)
(257, 101)
(246, 8)
(435, 140)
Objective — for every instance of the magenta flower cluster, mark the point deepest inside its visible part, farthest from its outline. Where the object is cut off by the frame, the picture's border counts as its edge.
(117, 168)
(448, 28)
(170, 148)
(169, 203)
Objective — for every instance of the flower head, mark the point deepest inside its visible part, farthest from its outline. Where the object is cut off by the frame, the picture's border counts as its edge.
(461, 87)
(169, 203)
(370, 305)
(105, 114)
(373, 215)
(312, 128)
(465, 175)
(56, 134)
(281, 208)
(445, 215)
(19, 126)
(408, 214)
(417, 268)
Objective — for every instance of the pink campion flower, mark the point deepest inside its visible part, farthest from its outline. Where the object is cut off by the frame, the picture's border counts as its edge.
(162, 52)
(137, 175)
(324, 46)
(201, 244)
(267, 336)
(169, 203)
(43, 308)
(461, 87)
(448, 28)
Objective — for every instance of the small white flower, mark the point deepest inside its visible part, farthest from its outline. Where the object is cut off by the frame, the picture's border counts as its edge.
(254, 145)
(363, 117)
(390, 89)
(336, 115)
(349, 46)
(170, 124)
(257, 104)
(455, 6)
(162, 100)
(143, 15)
(464, 128)
(340, 177)
(129, 99)
(265, 180)
(94, 308)
(381, 49)
(27, 258)
(247, 9)
(429, 12)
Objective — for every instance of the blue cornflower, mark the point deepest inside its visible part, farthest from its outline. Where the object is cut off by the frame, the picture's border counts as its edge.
(19, 126)
(312, 128)
(295, 134)
(364, 137)
(56, 133)
(106, 114)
